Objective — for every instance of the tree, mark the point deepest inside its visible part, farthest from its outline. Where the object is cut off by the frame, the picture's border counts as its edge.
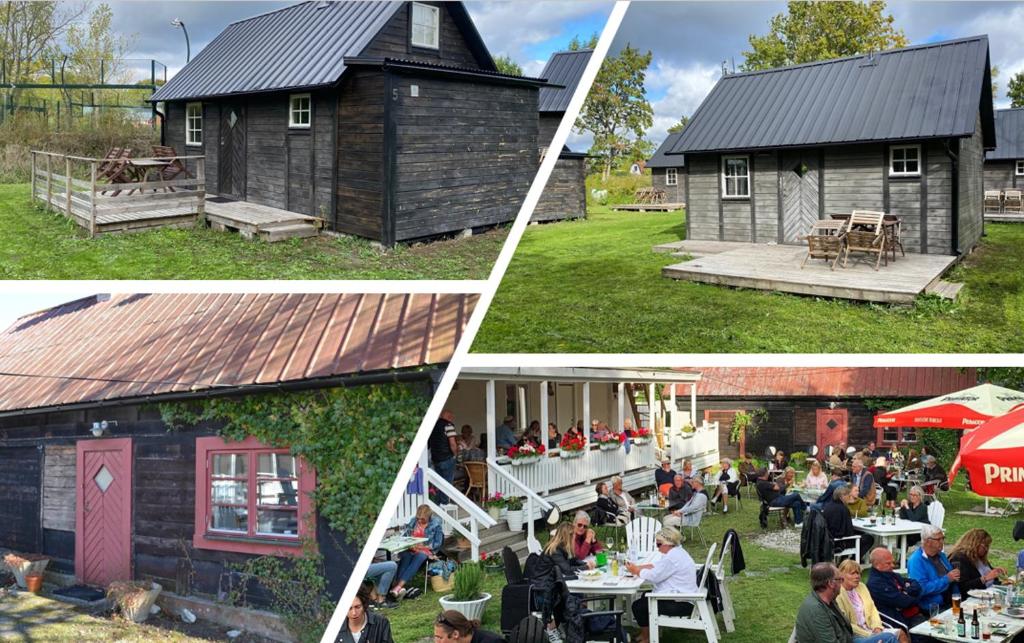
(616, 111)
(684, 120)
(994, 73)
(96, 54)
(576, 44)
(29, 35)
(508, 66)
(811, 31)
(1015, 90)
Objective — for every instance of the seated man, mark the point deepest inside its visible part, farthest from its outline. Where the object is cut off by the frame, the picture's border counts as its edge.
(664, 476)
(931, 569)
(819, 620)
(862, 478)
(680, 492)
(840, 524)
(774, 493)
(689, 515)
(894, 596)
(933, 472)
(835, 482)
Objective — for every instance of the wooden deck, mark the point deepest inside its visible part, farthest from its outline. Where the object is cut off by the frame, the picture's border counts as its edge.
(260, 221)
(777, 268)
(1003, 217)
(648, 207)
(119, 216)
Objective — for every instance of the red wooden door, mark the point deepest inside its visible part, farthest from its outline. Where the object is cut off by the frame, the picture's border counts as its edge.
(831, 430)
(103, 511)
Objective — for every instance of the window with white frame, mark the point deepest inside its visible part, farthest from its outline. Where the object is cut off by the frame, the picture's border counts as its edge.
(894, 436)
(1020, 167)
(299, 112)
(905, 160)
(426, 25)
(671, 176)
(194, 124)
(736, 177)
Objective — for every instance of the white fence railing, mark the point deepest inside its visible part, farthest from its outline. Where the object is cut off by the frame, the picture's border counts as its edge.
(700, 447)
(533, 501)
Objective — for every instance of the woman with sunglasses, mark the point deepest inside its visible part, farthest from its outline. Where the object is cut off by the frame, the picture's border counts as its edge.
(557, 563)
(674, 572)
(453, 626)
(362, 625)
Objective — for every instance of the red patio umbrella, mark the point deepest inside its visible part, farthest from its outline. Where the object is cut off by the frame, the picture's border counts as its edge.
(994, 456)
(966, 409)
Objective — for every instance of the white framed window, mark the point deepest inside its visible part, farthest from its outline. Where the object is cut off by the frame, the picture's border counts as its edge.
(671, 176)
(194, 124)
(1020, 167)
(299, 111)
(426, 26)
(905, 160)
(736, 177)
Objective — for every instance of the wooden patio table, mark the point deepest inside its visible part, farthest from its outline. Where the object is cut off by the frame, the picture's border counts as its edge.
(141, 168)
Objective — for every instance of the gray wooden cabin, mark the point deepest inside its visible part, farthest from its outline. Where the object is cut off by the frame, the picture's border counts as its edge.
(667, 172)
(1004, 166)
(388, 119)
(902, 131)
(565, 195)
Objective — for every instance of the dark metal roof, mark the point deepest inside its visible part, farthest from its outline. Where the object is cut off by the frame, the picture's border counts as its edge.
(926, 91)
(564, 68)
(402, 64)
(134, 346)
(1009, 135)
(661, 160)
(734, 382)
(300, 46)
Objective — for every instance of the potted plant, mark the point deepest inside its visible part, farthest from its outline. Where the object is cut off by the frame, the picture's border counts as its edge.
(610, 441)
(492, 562)
(22, 565)
(688, 431)
(799, 459)
(526, 454)
(494, 504)
(34, 582)
(572, 446)
(133, 598)
(514, 505)
(641, 436)
(466, 597)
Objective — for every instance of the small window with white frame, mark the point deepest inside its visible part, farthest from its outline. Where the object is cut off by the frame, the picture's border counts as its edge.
(736, 177)
(905, 160)
(299, 111)
(426, 26)
(194, 124)
(671, 176)
(1020, 167)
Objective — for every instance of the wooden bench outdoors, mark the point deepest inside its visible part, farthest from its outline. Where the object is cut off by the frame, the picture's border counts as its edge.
(114, 168)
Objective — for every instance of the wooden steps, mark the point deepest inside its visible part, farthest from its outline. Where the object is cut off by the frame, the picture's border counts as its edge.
(648, 207)
(255, 221)
(945, 289)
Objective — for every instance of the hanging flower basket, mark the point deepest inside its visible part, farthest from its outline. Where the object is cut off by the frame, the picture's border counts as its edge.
(641, 441)
(520, 461)
(610, 446)
(568, 455)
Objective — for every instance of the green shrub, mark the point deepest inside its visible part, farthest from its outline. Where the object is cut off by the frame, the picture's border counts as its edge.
(466, 582)
(621, 187)
(798, 459)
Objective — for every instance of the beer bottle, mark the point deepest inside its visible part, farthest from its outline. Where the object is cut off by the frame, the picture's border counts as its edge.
(961, 625)
(975, 626)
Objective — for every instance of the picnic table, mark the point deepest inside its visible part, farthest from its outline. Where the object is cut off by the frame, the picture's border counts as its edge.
(397, 544)
(947, 632)
(890, 535)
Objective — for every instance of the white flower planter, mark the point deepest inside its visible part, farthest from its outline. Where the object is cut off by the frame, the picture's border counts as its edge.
(641, 441)
(610, 446)
(139, 612)
(515, 520)
(494, 513)
(687, 436)
(568, 455)
(518, 462)
(472, 610)
(27, 568)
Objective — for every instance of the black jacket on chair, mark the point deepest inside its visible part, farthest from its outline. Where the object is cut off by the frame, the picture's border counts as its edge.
(815, 540)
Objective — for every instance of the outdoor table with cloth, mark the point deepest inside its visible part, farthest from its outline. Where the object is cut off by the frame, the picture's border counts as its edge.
(398, 544)
(1014, 625)
(623, 589)
(886, 535)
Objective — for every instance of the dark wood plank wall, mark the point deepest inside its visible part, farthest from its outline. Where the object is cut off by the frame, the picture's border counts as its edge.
(20, 488)
(466, 153)
(1000, 175)
(673, 193)
(266, 153)
(360, 154)
(174, 135)
(547, 124)
(565, 194)
(393, 41)
(325, 105)
(971, 197)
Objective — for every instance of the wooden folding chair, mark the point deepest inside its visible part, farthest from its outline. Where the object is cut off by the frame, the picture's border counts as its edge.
(175, 168)
(865, 233)
(1012, 202)
(993, 202)
(825, 241)
(114, 168)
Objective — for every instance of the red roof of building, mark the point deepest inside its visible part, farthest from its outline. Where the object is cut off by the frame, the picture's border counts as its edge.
(830, 382)
(130, 346)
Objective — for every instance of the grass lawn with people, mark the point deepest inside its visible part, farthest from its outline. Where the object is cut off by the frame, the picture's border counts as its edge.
(766, 595)
(35, 244)
(595, 286)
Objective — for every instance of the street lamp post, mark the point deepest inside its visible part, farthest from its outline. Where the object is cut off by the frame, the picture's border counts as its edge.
(188, 49)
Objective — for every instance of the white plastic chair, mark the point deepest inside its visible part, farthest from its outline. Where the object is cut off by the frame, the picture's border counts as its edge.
(936, 514)
(640, 534)
(728, 612)
(702, 618)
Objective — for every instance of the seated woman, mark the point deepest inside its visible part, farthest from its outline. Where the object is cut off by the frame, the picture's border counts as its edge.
(674, 572)
(363, 625)
(727, 484)
(913, 508)
(856, 604)
(688, 473)
(933, 473)
(780, 461)
(839, 522)
(531, 435)
(554, 437)
(622, 497)
(557, 563)
(606, 511)
(747, 470)
(584, 539)
(855, 504)
(423, 525)
(883, 475)
(970, 554)
(816, 479)
(453, 626)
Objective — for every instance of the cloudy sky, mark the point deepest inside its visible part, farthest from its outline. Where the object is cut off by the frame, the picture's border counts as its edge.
(14, 305)
(690, 40)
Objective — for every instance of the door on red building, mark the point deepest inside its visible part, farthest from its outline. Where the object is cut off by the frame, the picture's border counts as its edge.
(831, 429)
(103, 511)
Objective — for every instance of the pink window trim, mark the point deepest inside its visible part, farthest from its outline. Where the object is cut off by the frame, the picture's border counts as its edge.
(259, 545)
(900, 443)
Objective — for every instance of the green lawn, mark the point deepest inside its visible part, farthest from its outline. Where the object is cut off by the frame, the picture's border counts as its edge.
(35, 244)
(766, 596)
(595, 286)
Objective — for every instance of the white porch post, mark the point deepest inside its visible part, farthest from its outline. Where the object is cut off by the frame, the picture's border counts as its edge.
(423, 469)
(492, 424)
(544, 413)
(671, 405)
(693, 404)
(651, 408)
(622, 404)
(586, 422)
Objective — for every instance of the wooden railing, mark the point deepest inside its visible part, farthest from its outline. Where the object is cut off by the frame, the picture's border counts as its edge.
(94, 201)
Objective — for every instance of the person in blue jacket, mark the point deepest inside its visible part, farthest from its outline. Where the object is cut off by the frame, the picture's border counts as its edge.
(423, 525)
(931, 569)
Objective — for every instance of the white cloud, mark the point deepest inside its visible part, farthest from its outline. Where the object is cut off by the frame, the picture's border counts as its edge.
(685, 88)
(1006, 47)
(509, 28)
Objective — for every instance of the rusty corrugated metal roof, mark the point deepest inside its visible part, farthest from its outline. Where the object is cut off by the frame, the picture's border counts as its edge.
(830, 382)
(129, 346)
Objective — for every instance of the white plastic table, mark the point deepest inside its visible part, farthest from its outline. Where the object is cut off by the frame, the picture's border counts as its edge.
(398, 544)
(623, 589)
(889, 535)
(1014, 626)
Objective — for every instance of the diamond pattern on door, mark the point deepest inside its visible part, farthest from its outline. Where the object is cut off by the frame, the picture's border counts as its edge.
(103, 478)
(832, 424)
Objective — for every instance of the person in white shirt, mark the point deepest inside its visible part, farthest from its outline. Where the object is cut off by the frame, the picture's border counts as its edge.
(816, 479)
(727, 484)
(674, 572)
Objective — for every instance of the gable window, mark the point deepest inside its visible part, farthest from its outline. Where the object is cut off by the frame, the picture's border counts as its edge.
(251, 498)
(299, 112)
(905, 160)
(1020, 167)
(736, 177)
(194, 124)
(896, 436)
(426, 26)
(671, 176)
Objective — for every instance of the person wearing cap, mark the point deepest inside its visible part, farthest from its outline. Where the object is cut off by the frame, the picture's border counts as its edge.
(505, 435)
(664, 476)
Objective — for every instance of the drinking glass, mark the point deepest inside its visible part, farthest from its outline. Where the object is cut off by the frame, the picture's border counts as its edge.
(935, 620)
(956, 603)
